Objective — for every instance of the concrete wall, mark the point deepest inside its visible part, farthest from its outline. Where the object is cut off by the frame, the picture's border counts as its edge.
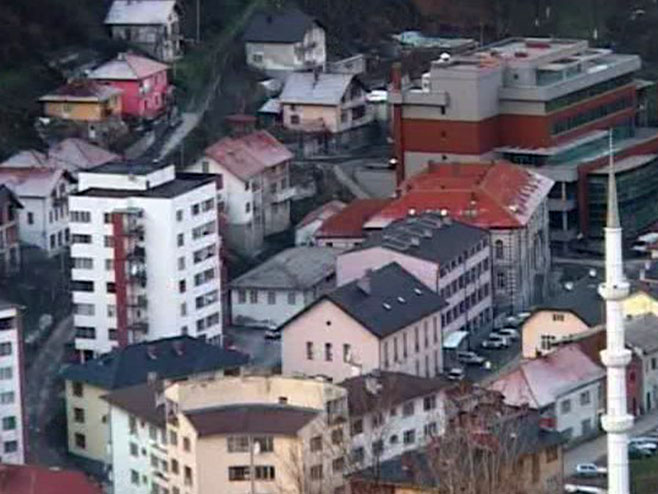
(264, 314)
(288, 56)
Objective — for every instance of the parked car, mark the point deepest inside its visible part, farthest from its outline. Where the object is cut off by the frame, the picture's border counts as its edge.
(471, 358)
(644, 439)
(590, 470)
(497, 336)
(493, 343)
(272, 334)
(512, 321)
(584, 489)
(455, 374)
(640, 443)
(637, 453)
(510, 333)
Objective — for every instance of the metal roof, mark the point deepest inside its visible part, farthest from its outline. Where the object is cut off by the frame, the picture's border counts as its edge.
(642, 332)
(278, 26)
(127, 67)
(148, 12)
(312, 88)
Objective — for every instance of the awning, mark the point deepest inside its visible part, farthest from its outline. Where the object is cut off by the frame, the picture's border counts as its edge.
(454, 340)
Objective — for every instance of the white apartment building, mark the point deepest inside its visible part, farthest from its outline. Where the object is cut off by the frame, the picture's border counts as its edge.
(145, 256)
(253, 182)
(13, 436)
(43, 192)
(392, 412)
(451, 258)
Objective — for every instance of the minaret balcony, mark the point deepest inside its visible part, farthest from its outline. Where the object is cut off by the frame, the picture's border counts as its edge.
(614, 291)
(617, 424)
(616, 358)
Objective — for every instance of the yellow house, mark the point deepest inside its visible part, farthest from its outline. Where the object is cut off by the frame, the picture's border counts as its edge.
(83, 101)
(641, 301)
(169, 358)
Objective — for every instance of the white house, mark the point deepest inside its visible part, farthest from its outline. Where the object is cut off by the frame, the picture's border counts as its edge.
(385, 320)
(13, 433)
(392, 412)
(283, 40)
(44, 218)
(282, 286)
(566, 386)
(254, 192)
(145, 256)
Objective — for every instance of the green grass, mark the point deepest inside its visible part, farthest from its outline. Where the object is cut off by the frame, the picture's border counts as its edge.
(644, 476)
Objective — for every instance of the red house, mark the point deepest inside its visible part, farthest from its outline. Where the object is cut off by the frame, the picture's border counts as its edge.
(144, 83)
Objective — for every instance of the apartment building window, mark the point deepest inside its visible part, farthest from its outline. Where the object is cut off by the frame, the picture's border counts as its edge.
(265, 443)
(186, 444)
(112, 334)
(182, 286)
(187, 476)
(108, 241)
(585, 398)
(294, 119)
(80, 440)
(204, 253)
(82, 286)
(180, 239)
(237, 474)
(30, 218)
(338, 465)
(109, 264)
(328, 352)
(316, 472)
(207, 299)
(11, 446)
(181, 263)
(204, 277)
(316, 444)
(271, 297)
(558, 317)
(9, 423)
(155, 462)
(208, 204)
(111, 311)
(110, 287)
(5, 349)
(357, 427)
(292, 297)
(6, 373)
(77, 389)
(134, 450)
(183, 309)
(408, 409)
(429, 403)
(132, 424)
(85, 332)
(173, 438)
(52, 241)
(242, 296)
(195, 209)
(395, 349)
(203, 230)
(501, 279)
(565, 406)
(586, 426)
(416, 343)
(430, 429)
(134, 477)
(179, 215)
(499, 249)
(80, 217)
(309, 350)
(547, 341)
(409, 437)
(79, 415)
(337, 436)
(174, 466)
(347, 352)
(82, 263)
(264, 472)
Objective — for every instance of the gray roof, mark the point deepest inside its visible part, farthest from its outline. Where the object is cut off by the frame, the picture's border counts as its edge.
(278, 26)
(182, 184)
(295, 268)
(428, 236)
(387, 300)
(144, 12)
(642, 332)
(168, 358)
(315, 89)
(582, 298)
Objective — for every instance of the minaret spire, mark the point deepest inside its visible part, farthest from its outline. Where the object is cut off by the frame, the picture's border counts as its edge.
(617, 422)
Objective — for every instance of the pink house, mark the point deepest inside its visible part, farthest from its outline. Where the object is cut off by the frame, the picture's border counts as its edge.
(144, 83)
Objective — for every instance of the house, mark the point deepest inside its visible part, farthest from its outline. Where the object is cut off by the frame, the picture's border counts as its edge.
(305, 230)
(393, 412)
(387, 319)
(83, 108)
(10, 252)
(170, 358)
(565, 386)
(44, 217)
(282, 40)
(449, 257)
(144, 85)
(151, 26)
(329, 109)
(642, 338)
(253, 179)
(508, 201)
(14, 446)
(282, 286)
(34, 479)
(346, 229)
(284, 434)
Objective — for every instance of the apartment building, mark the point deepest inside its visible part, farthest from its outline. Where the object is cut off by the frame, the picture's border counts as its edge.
(145, 256)
(544, 103)
(387, 319)
(10, 252)
(449, 257)
(13, 433)
(88, 385)
(44, 194)
(508, 201)
(253, 182)
(393, 412)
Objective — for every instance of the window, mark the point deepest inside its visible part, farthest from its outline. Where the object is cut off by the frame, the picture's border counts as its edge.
(180, 239)
(182, 286)
(262, 472)
(316, 443)
(188, 475)
(186, 444)
(337, 436)
(134, 477)
(79, 415)
(316, 472)
(408, 409)
(328, 355)
(547, 341)
(208, 204)
(179, 215)
(294, 119)
(77, 389)
(204, 276)
(292, 295)
(499, 249)
(108, 241)
(409, 437)
(173, 438)
(585, 398)
(5, 349)
(236, 474)
(207, 299)
(10, 446)
(134, 450)
(338, 465)
(80, 239)
(565, 406)
(271, 297)
(6, 373)
(30, 218)
(111, 311)
(109, 264)
(203, 230)
(357, 426)
(558, 317)
(501, 280)
(85, 332)
(183, 309)
(174, 466)
(110, 287)
(195, 209)
(242, 296)
(52, 241)
(347, 352)
(586, 427)
(309, 350)
(82, 263)
(8, 423)
(82, 286)
(181, 263)
(80, 441)
(80, 217)
(429, 403)
(378, 447)
(430, 429)
(238, 444)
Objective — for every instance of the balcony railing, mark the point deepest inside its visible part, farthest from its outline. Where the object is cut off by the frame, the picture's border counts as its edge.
(283, 195)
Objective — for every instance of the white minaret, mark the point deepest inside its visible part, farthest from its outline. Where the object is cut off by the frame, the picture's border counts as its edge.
(617, 421)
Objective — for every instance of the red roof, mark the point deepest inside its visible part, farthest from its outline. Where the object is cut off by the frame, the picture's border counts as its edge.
(128, 66)
(250, 154)
(82, 89)
(31, 479)
(324, 212)
(349, 222)
(487, 195)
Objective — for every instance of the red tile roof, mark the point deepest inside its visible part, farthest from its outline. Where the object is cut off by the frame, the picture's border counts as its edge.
(487, 195)
(250, 154)
(349, 222)
(324, 212)
(31, 479)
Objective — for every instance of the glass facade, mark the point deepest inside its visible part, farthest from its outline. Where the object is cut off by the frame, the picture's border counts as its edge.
(592, 114)
(588, 92)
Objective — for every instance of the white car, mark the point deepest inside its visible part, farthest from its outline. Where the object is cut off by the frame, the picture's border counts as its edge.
(510, 333)
(590, 470)
(494, 335)
(643, 443)
(585, 489)
(455, 374)
(494, 343)
(470, 358)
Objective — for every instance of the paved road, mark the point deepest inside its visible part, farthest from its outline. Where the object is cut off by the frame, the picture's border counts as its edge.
(42, 389)
(187, 125)
(595, 450)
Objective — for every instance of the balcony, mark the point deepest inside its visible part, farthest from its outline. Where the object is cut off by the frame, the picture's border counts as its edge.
(138, 326)
(137, 276)
(134, 229)
(283, 195)
(139, 302)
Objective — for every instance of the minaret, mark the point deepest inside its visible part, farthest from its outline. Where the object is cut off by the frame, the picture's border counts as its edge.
(617, 421)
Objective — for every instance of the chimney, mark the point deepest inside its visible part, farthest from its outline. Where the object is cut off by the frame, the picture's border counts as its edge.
(364, 283)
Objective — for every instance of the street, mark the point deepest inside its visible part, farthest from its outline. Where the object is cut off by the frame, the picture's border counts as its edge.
(43, 387)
